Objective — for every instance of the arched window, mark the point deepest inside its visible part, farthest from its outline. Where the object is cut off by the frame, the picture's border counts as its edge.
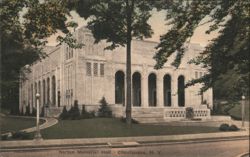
(136, 89)
(44, 93)
(119, 87)
(152, 101)
(181, 91)
(167, 90)
(48, 91)
(53, 90)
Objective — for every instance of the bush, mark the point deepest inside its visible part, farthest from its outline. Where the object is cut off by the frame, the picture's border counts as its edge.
(14, 111)
(64, 115)
(42, 111)
(21, 113)
(189, 113)
(224, 127)
(86, 115)
(74, 112)
(27, 112)
(4, 137)
(104, 110)
(21, 135)
(233, 128)
(33, 112)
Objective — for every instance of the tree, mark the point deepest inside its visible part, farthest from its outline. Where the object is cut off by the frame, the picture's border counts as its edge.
(117, 22)
(25, 26)
(226, 54)
(104, 110)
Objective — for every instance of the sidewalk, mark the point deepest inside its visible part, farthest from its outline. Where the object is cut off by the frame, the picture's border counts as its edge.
(102, 141)
(48, 123)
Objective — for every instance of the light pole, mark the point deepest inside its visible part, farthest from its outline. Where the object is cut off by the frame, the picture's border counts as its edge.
(37, 134)
(243, 111)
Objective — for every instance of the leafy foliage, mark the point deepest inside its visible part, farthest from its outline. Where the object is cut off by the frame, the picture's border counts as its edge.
(224, 127)
(228, 53)
(189, 113)
(85, 114)
(27, 112)
(64, 115)
(21, 135)
(24, 28)
(74, 112)
(104, 110)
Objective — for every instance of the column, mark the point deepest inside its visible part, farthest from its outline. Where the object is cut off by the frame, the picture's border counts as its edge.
(144, 90)
(159, 89)
(174, 88)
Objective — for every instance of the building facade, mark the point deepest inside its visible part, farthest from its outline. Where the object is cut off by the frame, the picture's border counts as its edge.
(90, 73)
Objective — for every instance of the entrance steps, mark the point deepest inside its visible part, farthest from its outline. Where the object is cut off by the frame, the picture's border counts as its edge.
(149, 120)
(148, 115)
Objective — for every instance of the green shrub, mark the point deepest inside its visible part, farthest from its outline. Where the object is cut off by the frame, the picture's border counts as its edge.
(189, 113)
(27, 112)
(233, 128)
(74, 112)
(21, 113)
(14, 111)
(104, 110)
(4, 137)
(42, 111)
(224, 127)
(21, 135)
(64, 115)
(33, 112)
(85, 114)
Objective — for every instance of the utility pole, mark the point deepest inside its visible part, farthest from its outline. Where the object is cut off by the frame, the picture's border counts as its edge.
(38, 135)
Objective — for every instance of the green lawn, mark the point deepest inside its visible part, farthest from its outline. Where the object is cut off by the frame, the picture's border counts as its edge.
(109, 127)
(235, 112)
(9, 124)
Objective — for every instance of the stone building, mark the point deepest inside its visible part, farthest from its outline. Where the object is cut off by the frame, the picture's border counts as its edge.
(90, 73)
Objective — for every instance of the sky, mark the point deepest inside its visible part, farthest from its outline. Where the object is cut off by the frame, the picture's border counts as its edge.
(158, 24)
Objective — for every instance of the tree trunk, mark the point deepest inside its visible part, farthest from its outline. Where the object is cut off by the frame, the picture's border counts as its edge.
(128, 62)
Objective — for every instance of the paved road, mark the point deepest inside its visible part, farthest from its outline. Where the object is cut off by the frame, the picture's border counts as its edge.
(198, 149)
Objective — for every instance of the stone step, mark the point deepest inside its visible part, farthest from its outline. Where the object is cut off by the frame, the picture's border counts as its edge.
(148, 115)
(149, 120)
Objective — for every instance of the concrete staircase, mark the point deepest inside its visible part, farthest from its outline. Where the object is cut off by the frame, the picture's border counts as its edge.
(148, 115)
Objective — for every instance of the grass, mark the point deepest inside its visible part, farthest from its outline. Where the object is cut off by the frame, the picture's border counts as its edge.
(110, 127)
(12, 124)
(235, 112)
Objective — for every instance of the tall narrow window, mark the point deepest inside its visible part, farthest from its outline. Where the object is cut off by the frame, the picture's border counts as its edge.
(181, 91)
(88, 68)
(102, 69)
(196, 74)
(152, 90)
(95, 69)
(119, 87)
(200, 74)
(53, 91)
(136, 88)
(167, 90)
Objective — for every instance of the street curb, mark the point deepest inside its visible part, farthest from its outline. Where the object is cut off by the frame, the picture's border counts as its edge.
(139, 139)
